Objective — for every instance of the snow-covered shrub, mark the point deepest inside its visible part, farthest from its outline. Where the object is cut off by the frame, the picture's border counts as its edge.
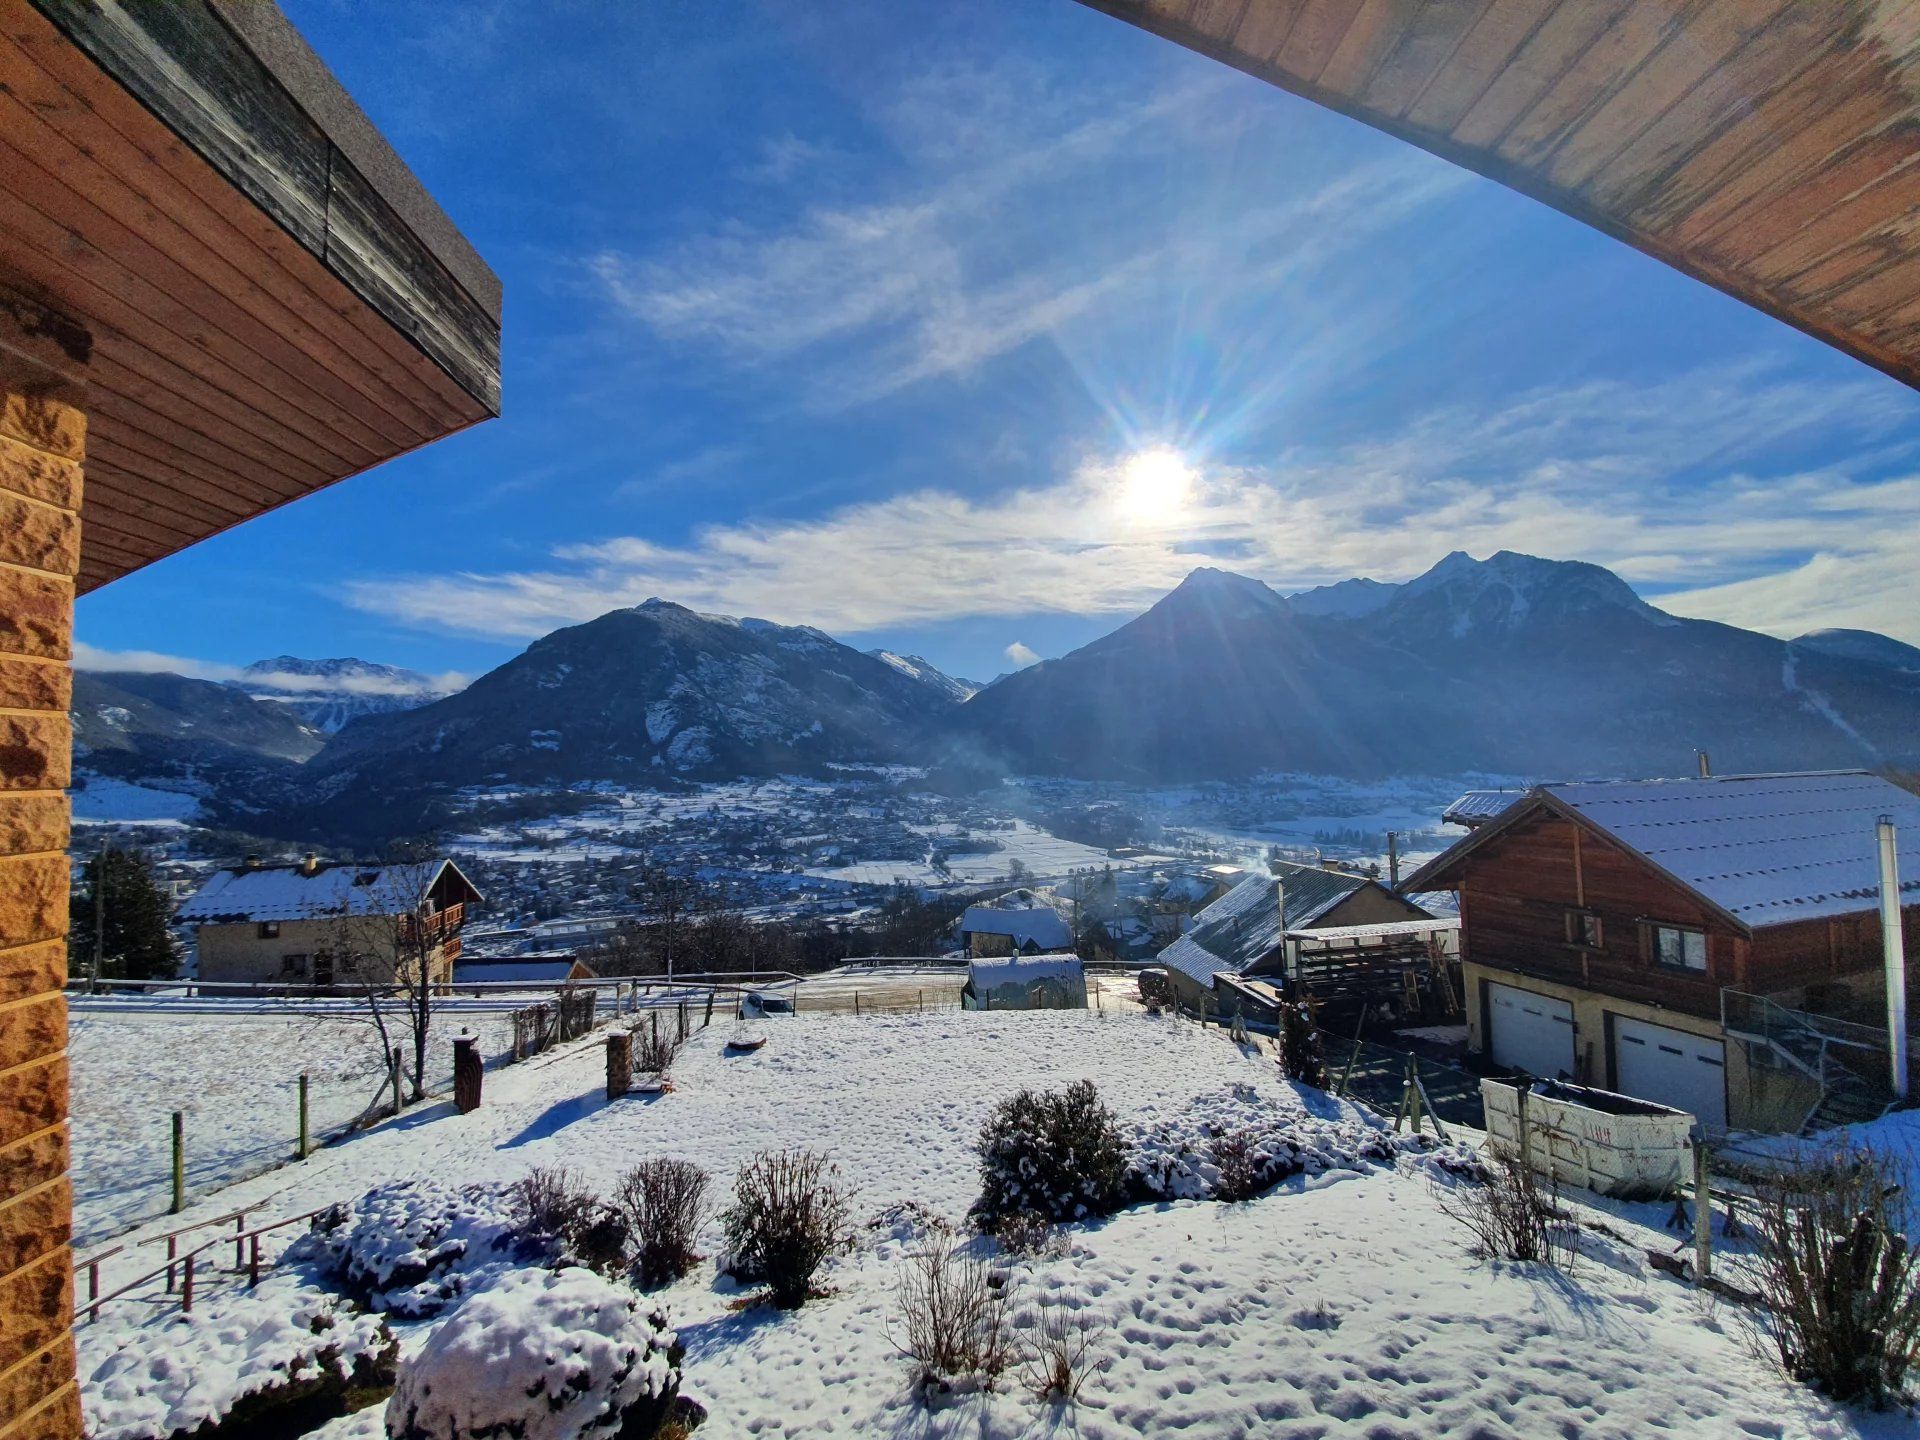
(1301, 1058)
(274, 1360)
(664, 1202)
(1838, 1279)
(1238, 1141)
(789, 1214)
(1514, 1215)
(1055, 1153)
(543, 1355)
(557, 1207)
(952, 1313)
(409, 1247)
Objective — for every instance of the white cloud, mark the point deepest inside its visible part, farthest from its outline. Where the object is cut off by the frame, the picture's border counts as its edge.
(109, 662)
(1021, 212)
(1021, 656)
(1668, 484)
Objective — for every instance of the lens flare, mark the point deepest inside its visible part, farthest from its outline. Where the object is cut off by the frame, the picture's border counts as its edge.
(1155, 484)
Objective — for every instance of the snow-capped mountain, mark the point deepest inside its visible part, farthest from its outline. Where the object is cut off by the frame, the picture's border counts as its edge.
(1513, 665)
(652, 692)
(1867, 645)
(916, 668)
(1348, 599)
(327, 694)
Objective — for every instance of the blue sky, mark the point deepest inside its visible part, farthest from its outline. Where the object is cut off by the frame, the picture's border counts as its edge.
(859, 314)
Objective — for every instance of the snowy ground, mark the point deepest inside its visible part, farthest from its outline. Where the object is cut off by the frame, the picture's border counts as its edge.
(235, 1075)
(1341, 1305)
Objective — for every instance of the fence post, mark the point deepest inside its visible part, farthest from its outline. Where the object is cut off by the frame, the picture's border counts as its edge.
(467, 1071)
(619, 1063)
(1702, 1216)
(856, 1004)
(186, 1288)
(709, 1016)
(1526, 1129)
(239, 1236)
(393, 1074)
(306, 1143)
(253, 1261)
(179, 1163)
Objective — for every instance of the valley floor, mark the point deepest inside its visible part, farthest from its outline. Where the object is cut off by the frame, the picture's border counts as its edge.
(1343, 1304)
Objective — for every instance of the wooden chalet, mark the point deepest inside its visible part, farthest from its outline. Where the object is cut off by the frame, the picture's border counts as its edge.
(1712, 944)
(1341, 922)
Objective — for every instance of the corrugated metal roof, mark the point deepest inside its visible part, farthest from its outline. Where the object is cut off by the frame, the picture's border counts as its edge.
(1480, 805)
(285, 892)
(1767, 849)
(1245, 924)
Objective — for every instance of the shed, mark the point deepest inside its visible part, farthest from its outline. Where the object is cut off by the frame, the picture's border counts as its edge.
(1051, 982)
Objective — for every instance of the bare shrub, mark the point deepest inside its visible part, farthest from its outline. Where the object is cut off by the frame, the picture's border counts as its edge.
(1058, 1344)
(1025, 1232)
(1056, 1153)
(1239, 1173)
(664, 1202)
(557, 1206)
(789, 1214)
(1837, 1277)
(1512, 1215)
(654, 1047)
(952, 1314)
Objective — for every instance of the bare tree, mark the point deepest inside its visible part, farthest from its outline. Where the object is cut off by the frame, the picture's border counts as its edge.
(392, 962)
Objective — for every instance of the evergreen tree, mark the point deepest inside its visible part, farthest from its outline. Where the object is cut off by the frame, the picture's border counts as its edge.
(135, 943)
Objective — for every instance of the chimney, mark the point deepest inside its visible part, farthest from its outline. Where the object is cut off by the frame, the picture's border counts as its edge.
(1706, 768)
(1893, 952)
(1393, 860)
(311, 865)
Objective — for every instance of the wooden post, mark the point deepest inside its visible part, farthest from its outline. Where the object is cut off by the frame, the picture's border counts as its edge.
(186, 1288)
(239, 1238)
(923, 1002)
(393, 1074)
(93, 1291)
(619, 1063)
(1526, 1131)
(306, 1143)
(253, 1260)
(179, 1163)
(709, 1016)
(1702, 1216)
(467, 1073)
(683, 1020)
(856, 1004)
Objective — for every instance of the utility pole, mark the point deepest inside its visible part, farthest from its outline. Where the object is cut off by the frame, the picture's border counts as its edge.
(99, 913)
(1893, 950)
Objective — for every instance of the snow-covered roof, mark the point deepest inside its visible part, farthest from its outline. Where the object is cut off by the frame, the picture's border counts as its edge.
(1040, 925)
(495, 972)
(1245, 925)
(1022, 970)
(1478, 805)
(1389, 929)
(1763, 849)
(291, 892)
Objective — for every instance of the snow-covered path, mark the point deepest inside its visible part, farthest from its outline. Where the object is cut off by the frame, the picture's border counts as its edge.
(1344, 1305)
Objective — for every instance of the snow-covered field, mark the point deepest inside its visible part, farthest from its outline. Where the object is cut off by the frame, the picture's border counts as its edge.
(235, 1075)
(1341, 1304)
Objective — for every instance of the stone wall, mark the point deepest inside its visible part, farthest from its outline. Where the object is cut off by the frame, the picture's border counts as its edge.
(42, 446)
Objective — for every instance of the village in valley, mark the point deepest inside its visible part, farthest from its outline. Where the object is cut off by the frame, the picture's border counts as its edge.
(1415, 939)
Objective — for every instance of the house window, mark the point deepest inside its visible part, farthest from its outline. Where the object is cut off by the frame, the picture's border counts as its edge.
(1584, 929)
(1680, 949)
(293, 965)
(269, 929)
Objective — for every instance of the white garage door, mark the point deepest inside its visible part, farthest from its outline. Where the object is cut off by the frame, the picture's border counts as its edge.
(1531, 1032)
(1673, 1068)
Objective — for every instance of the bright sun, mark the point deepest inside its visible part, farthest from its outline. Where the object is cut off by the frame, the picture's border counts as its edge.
(1154, 483)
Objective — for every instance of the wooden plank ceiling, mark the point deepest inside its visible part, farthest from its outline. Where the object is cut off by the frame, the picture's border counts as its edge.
(233, 367)
(1763, 146)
